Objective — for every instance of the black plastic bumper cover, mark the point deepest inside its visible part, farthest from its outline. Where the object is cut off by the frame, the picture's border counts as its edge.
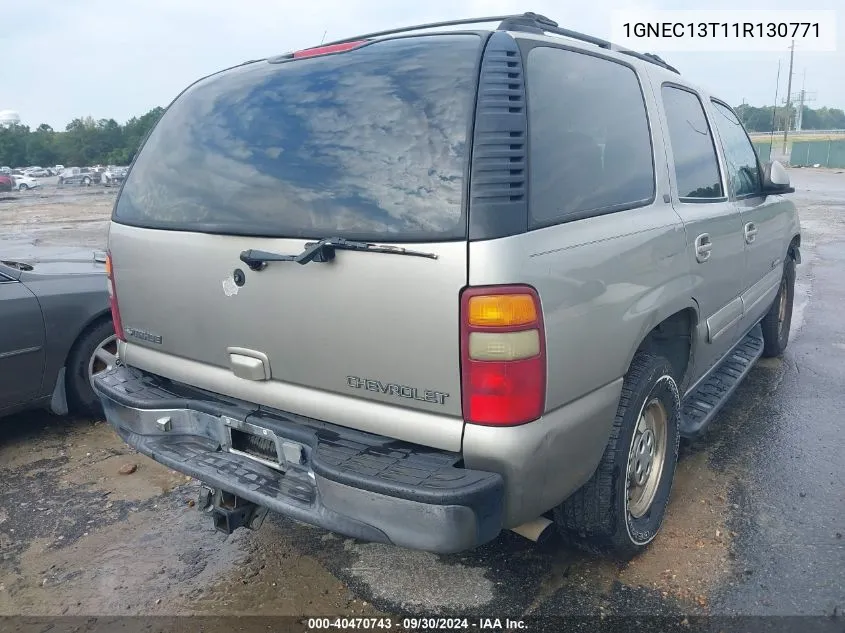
(357, 484)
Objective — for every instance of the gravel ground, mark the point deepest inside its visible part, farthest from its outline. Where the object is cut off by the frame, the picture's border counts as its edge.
(754, 526)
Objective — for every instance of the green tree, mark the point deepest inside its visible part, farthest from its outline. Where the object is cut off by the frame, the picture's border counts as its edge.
(760, 119)
(84, 141)
(13, 141)
(40, 146)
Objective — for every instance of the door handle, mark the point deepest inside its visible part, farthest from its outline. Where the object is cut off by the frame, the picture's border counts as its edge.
(703, 246)
(750, 232)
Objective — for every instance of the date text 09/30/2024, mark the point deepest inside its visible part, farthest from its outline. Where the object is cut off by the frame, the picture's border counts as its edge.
(415, 624)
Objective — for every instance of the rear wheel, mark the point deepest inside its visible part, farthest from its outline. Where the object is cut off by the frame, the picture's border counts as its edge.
(22, 187)
(620, 509)
(95, 351)
(778, 319)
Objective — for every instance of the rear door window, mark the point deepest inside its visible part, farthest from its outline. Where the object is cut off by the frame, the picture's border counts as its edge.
(590, 144)
(365, 144)
(696, 164)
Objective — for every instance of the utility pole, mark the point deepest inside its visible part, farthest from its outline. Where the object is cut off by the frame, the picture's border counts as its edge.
(803, 98)
(788, 97)
(799, 119)
(774, 112)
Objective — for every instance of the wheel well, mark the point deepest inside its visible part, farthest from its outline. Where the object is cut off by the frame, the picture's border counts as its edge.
(92, 323)
(792, 249)
(672, 339)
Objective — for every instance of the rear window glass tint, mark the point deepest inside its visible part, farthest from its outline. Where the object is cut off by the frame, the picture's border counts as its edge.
(590, 145)
(366, 144)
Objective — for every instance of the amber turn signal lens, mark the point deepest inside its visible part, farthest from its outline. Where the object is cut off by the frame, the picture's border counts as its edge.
(501, 310)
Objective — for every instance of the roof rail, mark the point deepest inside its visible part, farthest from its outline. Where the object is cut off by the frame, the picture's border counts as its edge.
(534, 23)
(526, 23)
(430, 25)
(647, 57)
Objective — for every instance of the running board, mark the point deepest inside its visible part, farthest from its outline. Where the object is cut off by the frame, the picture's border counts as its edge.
(704, 402)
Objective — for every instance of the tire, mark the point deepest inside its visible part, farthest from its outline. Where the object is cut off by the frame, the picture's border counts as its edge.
(22, 187)
(599, 517)
(86, 182)
(80, 394)
(778, 319)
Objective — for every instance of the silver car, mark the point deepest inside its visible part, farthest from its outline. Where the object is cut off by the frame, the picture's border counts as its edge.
(419, 288)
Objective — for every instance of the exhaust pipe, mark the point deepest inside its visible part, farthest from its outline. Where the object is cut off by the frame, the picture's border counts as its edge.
(538, 530)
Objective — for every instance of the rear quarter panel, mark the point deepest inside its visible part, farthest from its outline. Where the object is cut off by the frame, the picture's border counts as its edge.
(603, 282)
(69, 303)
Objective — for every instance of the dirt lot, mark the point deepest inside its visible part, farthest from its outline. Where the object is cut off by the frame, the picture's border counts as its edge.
(58, 216)
(741, 537)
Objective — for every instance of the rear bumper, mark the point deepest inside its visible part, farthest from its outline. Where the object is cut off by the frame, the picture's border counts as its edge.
(357, 484)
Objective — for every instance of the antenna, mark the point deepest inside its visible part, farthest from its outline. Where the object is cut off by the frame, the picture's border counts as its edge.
(323, 39)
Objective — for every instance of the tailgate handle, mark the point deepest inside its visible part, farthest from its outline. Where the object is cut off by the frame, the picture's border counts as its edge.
(249, 364)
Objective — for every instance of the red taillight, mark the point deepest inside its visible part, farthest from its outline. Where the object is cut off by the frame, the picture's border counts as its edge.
(503, 355)
(326, 50)
(115, 310)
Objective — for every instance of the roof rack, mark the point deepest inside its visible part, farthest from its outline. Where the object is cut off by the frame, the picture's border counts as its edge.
(420, 27)
(534, 23)
(526, 23)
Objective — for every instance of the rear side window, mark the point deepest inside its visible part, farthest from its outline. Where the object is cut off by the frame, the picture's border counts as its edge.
(367, 144)
(696, 165)
(590, 145)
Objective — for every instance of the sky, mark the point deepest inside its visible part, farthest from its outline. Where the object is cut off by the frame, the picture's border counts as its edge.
(120, 58)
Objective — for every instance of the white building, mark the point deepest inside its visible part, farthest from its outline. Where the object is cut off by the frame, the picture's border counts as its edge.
(9, 118)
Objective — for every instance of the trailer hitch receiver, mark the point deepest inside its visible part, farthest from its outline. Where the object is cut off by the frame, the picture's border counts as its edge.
(229, 512)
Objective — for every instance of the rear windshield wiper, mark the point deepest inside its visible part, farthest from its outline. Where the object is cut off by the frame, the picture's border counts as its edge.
(324, 251)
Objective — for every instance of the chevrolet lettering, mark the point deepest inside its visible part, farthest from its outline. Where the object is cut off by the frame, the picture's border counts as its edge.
(143, 335)
(400, 391)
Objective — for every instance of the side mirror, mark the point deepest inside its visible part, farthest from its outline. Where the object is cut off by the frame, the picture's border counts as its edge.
(776, 179)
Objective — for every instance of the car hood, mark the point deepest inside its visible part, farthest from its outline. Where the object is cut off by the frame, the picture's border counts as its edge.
(54, 260)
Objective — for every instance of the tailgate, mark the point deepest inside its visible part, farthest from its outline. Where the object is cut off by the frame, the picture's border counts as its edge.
(368, 145)
(375, 326)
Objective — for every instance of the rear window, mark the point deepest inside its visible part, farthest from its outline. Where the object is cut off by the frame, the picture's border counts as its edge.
(366, 144)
